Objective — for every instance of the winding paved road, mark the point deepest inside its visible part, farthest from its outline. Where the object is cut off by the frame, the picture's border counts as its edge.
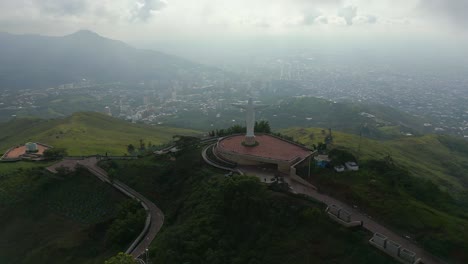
(155, 217)
(368, 223)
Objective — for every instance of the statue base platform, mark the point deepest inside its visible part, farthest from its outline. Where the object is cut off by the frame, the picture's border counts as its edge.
(250, 142)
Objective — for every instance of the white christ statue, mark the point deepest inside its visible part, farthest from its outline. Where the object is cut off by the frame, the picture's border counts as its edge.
(250, 121)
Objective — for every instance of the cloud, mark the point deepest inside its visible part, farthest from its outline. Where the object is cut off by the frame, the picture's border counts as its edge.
(145, 8)
(348, 13)
(256, 22)
(366, 19)
(336, 21)
(310, 17)
(454, 11)
(321, 20)
(62, 8)
(371, 19)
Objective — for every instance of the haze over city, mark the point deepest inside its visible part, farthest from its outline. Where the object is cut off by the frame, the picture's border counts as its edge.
(220, 131)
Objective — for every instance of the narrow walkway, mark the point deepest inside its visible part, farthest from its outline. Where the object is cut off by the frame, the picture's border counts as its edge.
(368, 223)
(207, 160)
(155, 217)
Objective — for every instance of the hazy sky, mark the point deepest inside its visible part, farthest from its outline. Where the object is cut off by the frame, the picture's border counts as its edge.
(207, 23)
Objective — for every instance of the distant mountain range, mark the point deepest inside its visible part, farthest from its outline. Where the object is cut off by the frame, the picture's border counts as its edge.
(34, 61)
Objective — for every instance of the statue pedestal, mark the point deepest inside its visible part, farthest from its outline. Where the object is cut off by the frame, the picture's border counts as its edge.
(250, 141)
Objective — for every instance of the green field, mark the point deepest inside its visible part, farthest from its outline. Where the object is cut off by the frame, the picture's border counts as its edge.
(431, 157)
(85, 133)
(57, 219)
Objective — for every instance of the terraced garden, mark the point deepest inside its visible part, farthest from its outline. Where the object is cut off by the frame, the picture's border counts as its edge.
(56, 219)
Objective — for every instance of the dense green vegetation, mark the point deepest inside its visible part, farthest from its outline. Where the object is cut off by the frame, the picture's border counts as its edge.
(84, 133)
(58, 218)
(55, 153)
(121, 258)
(128, 224)
(414, 207)
(440, 159)
(210, 218)
(11, 167)
(260, 127)
(387, 188)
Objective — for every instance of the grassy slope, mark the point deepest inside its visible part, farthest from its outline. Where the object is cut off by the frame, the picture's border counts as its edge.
(410, 205)
(53, 220)
(84, 133)
(214, 219)
(12, 167)
(426, 156)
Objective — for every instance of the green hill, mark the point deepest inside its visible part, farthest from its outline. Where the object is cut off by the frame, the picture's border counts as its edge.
(85, 133)
(416, 185)
(210, 218)
(441, 159)
(59, 219)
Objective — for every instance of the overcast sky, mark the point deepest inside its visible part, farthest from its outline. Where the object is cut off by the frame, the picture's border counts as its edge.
(147, 23)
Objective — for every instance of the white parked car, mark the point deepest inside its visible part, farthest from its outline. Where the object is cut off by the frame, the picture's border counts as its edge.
(352, 166)
(339, 168)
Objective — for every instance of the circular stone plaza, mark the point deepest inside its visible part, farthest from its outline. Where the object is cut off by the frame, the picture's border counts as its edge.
(238, 152)
(29, 151)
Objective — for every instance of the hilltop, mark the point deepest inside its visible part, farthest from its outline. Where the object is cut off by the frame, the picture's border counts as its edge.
(439, 158)
(211, 218)
(85, 133)
(35, 61)
(415, 185)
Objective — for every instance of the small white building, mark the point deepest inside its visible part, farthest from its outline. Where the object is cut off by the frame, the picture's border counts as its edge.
(339, 168)
(352, 166)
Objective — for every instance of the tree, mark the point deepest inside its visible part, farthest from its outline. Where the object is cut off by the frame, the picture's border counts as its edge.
(128, 224)
(311, 136)
(263, 127)
(130, 149)
(121, 258)
(182, 142)
(340, 156)
(321, 147)
(142, 144)
(55, 153)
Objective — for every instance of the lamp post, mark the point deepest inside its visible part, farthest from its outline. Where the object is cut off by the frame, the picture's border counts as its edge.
(147, 256)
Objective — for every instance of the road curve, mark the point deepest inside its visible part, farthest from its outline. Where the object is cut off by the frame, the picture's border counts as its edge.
(207, 160)
(368, 223)
(155, 217)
